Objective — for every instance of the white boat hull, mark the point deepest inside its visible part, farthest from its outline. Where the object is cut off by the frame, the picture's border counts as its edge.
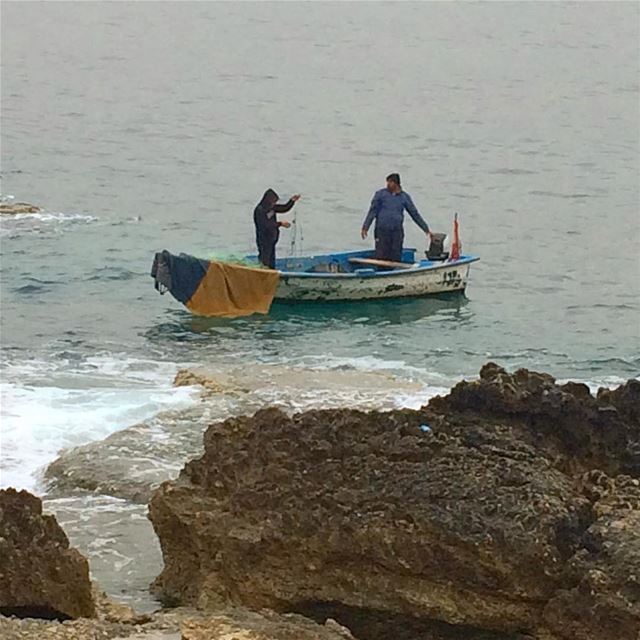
(444, 278)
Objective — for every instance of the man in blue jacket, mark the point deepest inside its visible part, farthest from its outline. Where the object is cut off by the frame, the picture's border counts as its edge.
(387, 208)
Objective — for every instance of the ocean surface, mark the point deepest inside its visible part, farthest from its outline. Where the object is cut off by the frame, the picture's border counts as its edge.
(144, 126)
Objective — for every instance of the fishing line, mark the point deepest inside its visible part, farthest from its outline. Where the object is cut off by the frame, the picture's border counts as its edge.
(300, 246)
(297, 238)
(294, 235)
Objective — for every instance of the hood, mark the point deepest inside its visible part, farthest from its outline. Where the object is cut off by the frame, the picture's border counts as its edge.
(270, 197)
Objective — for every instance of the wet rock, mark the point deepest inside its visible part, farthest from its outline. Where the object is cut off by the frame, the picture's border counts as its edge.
(40, 575)
(188, 378)
(12, 208)
(132, 462)
(277, 383)
(496, 519)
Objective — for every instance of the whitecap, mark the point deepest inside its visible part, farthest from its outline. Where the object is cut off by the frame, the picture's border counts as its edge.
(46, 408)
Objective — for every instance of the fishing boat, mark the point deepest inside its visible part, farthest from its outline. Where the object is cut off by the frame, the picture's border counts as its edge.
(222, 288)
(357, 275)
(231, 289)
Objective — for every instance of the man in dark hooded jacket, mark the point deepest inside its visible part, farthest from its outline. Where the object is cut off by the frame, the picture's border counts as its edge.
(268, 226)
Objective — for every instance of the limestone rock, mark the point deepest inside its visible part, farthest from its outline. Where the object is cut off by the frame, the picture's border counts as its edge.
(115, 612)
(626, 399)
(188, 377)
(570, 427)
(231, 623)
(12, 208)
(40, 575)
(480, 521)
(129, 463)
(281, 382)
(369, 511)
(600, 595)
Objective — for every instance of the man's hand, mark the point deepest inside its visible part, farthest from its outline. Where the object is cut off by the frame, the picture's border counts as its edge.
(285, 224)
(296, 197)
(429, 234)
(363, 234)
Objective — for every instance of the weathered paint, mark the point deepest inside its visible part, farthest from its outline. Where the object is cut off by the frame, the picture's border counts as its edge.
(305, 278)
(410, 283)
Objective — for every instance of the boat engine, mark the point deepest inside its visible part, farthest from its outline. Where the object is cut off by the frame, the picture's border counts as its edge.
(436, 247)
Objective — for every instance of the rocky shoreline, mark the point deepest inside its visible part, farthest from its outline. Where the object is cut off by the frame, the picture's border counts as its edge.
(508, 509)
(106, 467)
(231, 623)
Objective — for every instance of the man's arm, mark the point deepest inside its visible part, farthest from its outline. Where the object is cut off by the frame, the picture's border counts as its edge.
(373, 212)
(283, 208)
(414, 213)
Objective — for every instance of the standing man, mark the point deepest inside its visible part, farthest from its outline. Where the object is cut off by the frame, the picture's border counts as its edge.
(387, 208)
(268, 226)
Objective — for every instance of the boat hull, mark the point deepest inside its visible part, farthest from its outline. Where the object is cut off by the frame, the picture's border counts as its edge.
(444, 278)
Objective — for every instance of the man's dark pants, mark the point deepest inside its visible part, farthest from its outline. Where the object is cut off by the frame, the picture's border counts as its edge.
(389, 244)
(267, 249)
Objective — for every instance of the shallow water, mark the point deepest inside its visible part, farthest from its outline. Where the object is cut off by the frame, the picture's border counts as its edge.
(143, 126)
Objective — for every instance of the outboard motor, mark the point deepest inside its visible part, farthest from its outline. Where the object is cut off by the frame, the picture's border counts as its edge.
(436, 248)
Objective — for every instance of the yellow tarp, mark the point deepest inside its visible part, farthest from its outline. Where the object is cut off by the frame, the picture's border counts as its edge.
(231, 290)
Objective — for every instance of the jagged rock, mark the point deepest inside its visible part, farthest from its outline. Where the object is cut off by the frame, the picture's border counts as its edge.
(626, 399)
(565, 422)
(12, 208)
(365, 510)
(40, 575)
(482, 519)
(600, 595)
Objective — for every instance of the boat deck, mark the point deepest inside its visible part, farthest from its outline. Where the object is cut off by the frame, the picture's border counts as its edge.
(356, 264)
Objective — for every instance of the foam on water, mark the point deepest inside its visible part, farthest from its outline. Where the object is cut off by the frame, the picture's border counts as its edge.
(48, 216)
(50, 405)
(372, 363)
(39, 418)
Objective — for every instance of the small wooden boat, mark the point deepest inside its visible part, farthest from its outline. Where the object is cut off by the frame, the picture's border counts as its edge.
(232, 289)
(357, 275)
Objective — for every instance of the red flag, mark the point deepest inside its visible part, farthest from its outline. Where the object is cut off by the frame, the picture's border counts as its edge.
(455, 246)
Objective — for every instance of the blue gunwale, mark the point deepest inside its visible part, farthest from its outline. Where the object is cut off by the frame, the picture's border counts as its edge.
(283, 265)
